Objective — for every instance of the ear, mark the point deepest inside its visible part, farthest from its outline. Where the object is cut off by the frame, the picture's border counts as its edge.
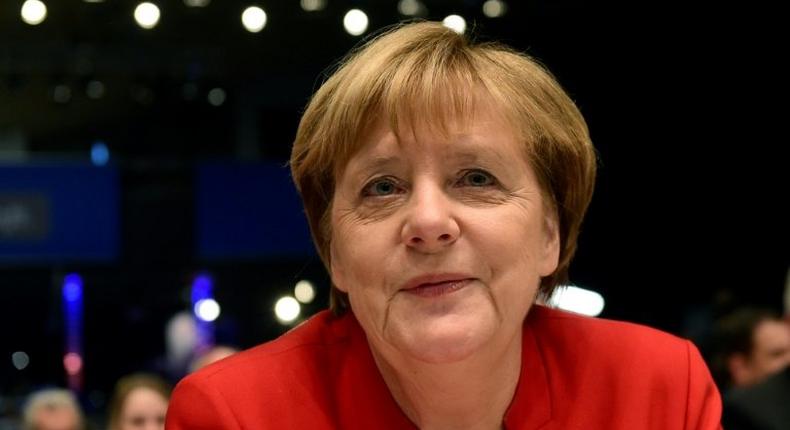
(738, 366)
(550, 250)
(336, 268)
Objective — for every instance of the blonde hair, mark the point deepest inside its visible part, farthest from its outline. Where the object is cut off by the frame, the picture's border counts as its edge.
(425, 70)
(51, 398)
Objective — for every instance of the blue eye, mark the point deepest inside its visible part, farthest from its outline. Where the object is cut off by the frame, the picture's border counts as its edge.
(477, 178)
(380, 187)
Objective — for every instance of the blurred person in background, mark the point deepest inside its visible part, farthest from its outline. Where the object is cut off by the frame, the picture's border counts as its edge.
(215, 353)
(139, 402)
(52, 409)
(445, 183)
(750, 344)
(764, 405)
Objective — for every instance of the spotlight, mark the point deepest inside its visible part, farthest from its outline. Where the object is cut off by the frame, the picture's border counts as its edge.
(20, 359)
(33, 12)
(254, 19)
(287, 309)
(579, 300)
(216, 97)
(147, 15)
(313, 5)
(355, 22)
(94, 89)
(304, 291)
(207, 309)
(494, 8)
(456, 23)
(412, 8)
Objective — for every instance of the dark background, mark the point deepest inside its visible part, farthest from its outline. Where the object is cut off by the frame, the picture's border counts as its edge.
(685, 105)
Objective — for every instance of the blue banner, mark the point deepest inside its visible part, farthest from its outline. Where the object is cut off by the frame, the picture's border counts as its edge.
(249, 211)
(58, 212)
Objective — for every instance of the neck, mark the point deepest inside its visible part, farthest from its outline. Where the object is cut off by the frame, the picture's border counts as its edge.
(472, 394)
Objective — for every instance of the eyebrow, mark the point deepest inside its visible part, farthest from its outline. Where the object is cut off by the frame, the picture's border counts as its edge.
(371, 164)
(466, 150)
(470, 151)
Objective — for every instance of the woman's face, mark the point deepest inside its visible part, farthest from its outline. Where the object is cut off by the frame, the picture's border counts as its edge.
(440, 239)
(144, 409)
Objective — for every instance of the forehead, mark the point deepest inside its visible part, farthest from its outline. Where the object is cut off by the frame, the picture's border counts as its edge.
(57, 418)
(772, 332)
(440, 112)
(143, 397)
(481, 131)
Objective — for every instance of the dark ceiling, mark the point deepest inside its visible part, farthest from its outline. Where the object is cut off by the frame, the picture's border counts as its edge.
(160, 77)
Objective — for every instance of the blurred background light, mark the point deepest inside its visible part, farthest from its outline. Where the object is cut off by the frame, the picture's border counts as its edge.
(100, 154)
(20, 360)
(207, 309)
(197, 3)
(61, 94)
(147, 15)
(254, 19)
(181, 338)
(312, 5)
(216, 97)
(287, 309)
(72, 362)
(456, 23)
(72, 288)
(33, 12)
(494, 8)
(578, 300)
(355, 22)
(412, 8)
(72, 291)
(94, 89)
(304, 291)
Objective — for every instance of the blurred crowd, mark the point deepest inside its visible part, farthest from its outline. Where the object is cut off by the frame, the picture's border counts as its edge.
(139, 402)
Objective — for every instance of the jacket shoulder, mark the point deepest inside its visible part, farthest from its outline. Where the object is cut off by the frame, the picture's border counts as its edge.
(604, 339)
(252, 385)
(645, 372)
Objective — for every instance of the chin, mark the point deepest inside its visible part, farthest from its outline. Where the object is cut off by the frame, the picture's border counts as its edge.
(445, 341)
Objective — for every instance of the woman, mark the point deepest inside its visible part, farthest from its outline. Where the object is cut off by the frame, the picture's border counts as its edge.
(445, 183)
(139, 403)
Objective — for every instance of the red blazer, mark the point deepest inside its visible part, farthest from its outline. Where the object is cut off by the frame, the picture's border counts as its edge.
(577, 373)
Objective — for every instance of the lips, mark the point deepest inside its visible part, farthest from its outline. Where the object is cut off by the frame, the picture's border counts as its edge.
(436, 285)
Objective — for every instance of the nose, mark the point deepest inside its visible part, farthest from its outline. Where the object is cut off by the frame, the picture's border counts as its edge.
(430, 225)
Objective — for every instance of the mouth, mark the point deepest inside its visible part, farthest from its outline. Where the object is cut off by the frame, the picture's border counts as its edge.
(436, 286)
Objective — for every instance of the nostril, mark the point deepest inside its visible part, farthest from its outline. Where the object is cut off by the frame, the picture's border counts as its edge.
(445, 237)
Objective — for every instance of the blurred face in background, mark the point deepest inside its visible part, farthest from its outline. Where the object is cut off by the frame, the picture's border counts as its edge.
(59, 418)
(770, 353)
(144, 409)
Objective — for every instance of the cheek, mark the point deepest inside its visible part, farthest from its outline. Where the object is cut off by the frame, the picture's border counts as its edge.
(350, 251)
(337, 265)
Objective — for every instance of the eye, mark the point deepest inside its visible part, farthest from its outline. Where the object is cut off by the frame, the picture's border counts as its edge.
(380, 187)
(477, 178)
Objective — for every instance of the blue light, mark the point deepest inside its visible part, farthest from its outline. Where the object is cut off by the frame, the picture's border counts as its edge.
(100, 154)
(72, 288)
(202, 293)
(201, 288)
(72, 328)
